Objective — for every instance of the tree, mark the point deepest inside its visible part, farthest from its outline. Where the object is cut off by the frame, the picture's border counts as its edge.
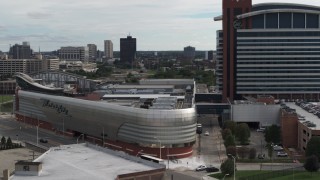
(242, 152)
(9, 143)
(225, 133)
(227, 167)
(252, 153)
(230, 125)
(3, 140)
(229, 141)
(313, 147)
(243, 133)
(312, 164)
(231, 150)
(273, 134)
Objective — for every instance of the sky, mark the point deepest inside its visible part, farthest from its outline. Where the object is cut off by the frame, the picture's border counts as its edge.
(157, 24)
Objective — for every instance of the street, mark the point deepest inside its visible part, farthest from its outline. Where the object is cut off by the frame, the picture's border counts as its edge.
(17, 131)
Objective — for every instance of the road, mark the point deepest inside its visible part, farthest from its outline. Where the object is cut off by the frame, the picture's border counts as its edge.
(18, 131)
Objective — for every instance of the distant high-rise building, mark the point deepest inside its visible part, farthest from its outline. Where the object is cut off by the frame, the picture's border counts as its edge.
(270, 49)
(189, 52)
(128, 48)
(74, 53)
(21, 51)
(108, 49)
(210, 55)
(92, 48)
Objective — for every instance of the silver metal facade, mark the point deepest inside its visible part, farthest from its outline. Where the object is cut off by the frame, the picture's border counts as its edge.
(266, 115)
(175, 128)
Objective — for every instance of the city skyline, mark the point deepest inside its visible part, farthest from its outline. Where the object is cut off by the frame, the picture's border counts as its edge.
(157, 25)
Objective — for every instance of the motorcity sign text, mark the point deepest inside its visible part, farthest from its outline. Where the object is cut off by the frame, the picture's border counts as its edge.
(53, 105)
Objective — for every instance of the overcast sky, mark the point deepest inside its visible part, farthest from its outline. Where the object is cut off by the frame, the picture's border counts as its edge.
(157, 24)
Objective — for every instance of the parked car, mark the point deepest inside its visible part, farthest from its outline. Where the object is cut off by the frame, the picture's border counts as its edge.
(277, 148)
(43, 140)
(261, 156)
(206, 133)
(199, 129)
(282, 154)
(212, 169)
(201, 168)
(261, 129)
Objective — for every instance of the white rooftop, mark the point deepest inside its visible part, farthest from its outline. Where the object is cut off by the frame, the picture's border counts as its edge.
(86, 161)
(308, 116)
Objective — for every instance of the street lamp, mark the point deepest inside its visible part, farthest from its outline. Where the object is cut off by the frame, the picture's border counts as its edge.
(225, 176)
(38, 132)
(234, 166)
(159, 145)
(79, 137)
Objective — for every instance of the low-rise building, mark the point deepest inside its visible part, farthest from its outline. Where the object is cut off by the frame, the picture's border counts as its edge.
(87, 161)
(27, 66)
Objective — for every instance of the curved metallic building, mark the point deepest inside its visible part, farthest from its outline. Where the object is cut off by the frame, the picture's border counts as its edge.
(125, 128)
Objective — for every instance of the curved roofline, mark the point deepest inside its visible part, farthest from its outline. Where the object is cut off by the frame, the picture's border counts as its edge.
(287, 4)
(30, 81)
(255, 13)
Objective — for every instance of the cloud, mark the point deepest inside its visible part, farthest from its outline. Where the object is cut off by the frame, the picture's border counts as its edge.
(38, 15)
(157, 25)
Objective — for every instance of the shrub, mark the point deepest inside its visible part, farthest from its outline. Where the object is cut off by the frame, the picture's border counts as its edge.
(231, 150)
(242, 152)
(227, 167)
(252, 153)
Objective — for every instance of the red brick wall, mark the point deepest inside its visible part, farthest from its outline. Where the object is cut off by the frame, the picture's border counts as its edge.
(289, 129)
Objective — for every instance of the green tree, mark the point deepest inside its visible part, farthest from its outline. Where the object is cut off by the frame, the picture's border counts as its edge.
(9, 143)
(229, 141)
(312, 164)
(3, 140)
(273, 134)
(313, 147)
(243, 133)
(230, 125)
(227, 167)
(226, 133)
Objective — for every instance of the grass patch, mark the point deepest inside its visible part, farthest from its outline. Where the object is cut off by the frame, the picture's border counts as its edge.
(300, 175)
(5, 98)
(239, 174)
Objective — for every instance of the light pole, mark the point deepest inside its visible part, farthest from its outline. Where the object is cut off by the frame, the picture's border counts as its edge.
(102, 136)
(225, 176)
(234, 166)
(79, 137)
(62, 126)
(159, 145)
(38, 132)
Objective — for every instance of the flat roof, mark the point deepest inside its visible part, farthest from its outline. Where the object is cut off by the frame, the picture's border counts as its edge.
(86, 161)
(142, 96)
(118, 86)
(308, 116)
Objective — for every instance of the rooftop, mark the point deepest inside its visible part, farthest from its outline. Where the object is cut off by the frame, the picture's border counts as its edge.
(86, 161)
(308, 117)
